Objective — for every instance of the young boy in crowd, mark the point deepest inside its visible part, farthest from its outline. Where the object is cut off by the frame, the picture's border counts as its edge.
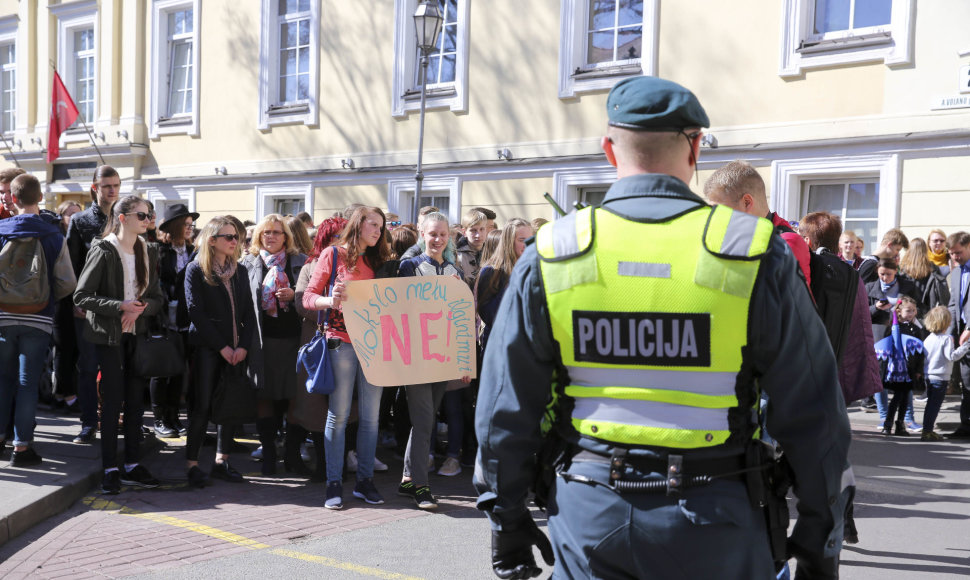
(475, 224)
(906, 311)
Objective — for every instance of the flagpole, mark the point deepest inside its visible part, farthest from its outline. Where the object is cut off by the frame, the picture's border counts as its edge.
(7, 145)
(91, 137)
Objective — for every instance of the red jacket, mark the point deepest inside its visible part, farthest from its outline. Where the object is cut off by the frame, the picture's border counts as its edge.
(797, 244)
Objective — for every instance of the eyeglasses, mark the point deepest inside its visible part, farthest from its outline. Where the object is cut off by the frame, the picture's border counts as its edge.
(394, 224)
(142, 216)
(228, 237)
(272, 233)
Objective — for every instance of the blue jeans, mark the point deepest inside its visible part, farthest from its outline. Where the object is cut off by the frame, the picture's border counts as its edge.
(882, 404)
(23, 348)
(87, 377)
(935, 393)
(347, 374)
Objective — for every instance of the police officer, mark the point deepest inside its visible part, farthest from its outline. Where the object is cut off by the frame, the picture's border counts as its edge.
(656, 319)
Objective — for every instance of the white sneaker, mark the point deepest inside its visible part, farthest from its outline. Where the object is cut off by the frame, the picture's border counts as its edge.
(380, 465)
(352, 461)
(450, 467)
(258, 454)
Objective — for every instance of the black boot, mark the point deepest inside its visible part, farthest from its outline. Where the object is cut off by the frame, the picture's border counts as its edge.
(175, 423)
(320, 453)
(292, 461)
(901, 429)
(161, 427)
(266, 427)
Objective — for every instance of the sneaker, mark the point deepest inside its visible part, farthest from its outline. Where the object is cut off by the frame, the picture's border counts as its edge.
(86, 435)
(352, 461)
(407, 489)
(335, 492)
(139, 477)
(450, 467)
(25, 458)
(226, 472)
(111, 482)
(366, 491)
(258, 454)
(931, 436)
(304, 453)
(424, 499)
(914, 427)
(380, 465)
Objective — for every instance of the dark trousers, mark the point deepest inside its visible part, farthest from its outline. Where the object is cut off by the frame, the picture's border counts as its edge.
(935, 393)
(121, 390)
(65, 349)
(651, 535)
(207, 365)
(898, 404)
(87, 377)
(964, 394)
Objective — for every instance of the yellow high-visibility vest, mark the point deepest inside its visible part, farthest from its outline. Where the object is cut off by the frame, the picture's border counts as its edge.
(651, 320)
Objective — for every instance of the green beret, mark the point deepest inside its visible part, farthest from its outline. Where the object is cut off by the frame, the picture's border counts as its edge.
(646, 103)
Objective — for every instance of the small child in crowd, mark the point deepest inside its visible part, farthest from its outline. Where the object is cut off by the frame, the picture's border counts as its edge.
(940, 356)
(906, 312)
(901, 360)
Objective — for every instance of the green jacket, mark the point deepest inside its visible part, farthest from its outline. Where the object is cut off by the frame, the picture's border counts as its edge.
(101, 290)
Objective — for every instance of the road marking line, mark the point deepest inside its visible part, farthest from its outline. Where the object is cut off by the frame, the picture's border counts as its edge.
(331, 563)
(96, 503)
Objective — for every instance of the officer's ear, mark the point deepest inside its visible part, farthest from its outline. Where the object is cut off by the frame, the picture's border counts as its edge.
(607, 144)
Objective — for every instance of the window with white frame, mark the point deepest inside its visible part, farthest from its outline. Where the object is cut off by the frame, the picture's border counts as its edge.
(8, 87)
(77, 48)
(285, 199)
(175, 67)
(820, 33)
(862, 190)
(584, 185)
(855, 201)
(83, 55)
(603, 41)
(441, 192)
(447, 74)
(289, 62)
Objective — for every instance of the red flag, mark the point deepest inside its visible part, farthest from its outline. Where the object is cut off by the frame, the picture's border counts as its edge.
(63, 114)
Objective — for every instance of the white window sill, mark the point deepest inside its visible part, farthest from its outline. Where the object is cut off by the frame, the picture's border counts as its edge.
(293, 114)
(181, 125)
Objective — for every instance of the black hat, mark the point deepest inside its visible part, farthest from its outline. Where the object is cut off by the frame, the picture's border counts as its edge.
(647, 103)
(173, 212)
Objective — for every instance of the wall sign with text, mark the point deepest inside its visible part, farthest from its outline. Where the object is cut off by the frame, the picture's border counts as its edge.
(412, 330)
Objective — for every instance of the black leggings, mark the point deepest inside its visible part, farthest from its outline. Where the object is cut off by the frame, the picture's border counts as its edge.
(207, 365)
(120, 389)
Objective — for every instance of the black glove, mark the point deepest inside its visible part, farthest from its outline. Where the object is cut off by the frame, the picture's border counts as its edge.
(512, 550)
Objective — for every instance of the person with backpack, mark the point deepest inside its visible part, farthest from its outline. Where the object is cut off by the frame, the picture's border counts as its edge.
(35, 272)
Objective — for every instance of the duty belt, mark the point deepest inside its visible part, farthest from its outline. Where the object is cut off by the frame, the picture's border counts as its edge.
(699, 471)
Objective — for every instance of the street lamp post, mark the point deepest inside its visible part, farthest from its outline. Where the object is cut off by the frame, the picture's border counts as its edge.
(427, 25)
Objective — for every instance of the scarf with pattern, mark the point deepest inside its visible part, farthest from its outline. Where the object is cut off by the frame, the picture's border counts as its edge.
(274, 280)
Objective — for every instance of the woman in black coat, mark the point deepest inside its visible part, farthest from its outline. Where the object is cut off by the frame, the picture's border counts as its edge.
(174, 254)
(221, 330)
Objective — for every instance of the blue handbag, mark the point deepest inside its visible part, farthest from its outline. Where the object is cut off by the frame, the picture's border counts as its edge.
(314, 355)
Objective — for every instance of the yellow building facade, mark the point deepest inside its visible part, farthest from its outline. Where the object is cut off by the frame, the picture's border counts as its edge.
(255, 106)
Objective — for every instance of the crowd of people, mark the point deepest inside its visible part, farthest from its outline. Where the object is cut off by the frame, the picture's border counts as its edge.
(240, 298)
(243, 297)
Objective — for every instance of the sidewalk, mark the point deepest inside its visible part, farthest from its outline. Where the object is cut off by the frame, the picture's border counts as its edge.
(30, 495)
(71, 471)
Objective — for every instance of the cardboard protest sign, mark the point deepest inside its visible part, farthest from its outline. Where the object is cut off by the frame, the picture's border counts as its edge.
(412, 330)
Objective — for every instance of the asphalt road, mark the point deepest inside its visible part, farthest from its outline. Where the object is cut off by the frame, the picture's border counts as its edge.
(912, 510)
